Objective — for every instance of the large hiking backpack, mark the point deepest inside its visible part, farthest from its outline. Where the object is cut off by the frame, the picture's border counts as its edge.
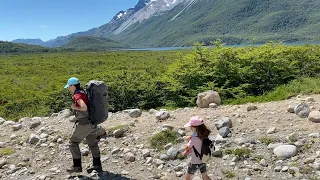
(207, 150)
(96, 92)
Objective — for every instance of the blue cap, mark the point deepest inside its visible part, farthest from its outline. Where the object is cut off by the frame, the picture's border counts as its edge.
(72, 81)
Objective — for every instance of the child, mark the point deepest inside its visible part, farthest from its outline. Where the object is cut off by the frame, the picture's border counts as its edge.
(200, 132)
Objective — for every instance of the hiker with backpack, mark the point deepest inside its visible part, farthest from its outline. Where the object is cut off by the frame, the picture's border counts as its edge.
(199, 147)
(93, 99)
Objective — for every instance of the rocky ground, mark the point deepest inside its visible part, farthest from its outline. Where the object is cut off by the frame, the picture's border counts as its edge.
(273, 140)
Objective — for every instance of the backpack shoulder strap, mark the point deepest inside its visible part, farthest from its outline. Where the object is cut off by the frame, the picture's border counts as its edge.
(196, 152)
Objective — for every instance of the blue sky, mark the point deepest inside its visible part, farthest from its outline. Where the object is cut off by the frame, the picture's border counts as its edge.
(47, 19)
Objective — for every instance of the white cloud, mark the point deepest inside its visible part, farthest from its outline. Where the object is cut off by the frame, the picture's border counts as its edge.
(75, 22)
(43, 26)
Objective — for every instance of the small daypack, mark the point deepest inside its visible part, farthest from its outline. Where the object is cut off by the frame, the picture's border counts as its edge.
(97, 94)
(207, 150)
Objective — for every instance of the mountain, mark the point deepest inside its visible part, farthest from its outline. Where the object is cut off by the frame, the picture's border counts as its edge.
(155, 23)
(29, 41)
(9, 47)
(93, 43)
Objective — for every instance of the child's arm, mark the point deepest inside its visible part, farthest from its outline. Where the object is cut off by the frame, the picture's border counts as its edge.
(186, 151)
(187, 148)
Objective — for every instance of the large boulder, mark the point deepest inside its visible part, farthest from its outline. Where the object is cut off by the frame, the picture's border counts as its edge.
(64, 114)
(314, 116)
(162, 115)
(223, 122)
(302, 110)
(285, 151)
(134, 113)
(208, 97)
(2, 120)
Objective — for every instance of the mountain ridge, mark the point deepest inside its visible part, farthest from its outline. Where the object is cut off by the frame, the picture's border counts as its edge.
(156, 23)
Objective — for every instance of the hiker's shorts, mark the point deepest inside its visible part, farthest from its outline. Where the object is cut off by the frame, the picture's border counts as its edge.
(192, 168)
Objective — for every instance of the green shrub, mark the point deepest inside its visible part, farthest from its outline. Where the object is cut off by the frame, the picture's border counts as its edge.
(162, 138)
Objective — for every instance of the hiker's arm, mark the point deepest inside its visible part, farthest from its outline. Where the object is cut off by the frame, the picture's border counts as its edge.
(83, 106)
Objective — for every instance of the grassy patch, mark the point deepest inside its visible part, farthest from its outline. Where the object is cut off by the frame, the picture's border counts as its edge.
(295, 87)
(258, 158)
(228, 174)
(295, 164)
(240, 152)
(112, 129)
(6, 151)
(266, 140)
(159, 140)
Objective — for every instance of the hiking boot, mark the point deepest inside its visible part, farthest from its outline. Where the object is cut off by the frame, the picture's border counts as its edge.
(96, 165)
(76, 166)
(74, 169)
(94, 168)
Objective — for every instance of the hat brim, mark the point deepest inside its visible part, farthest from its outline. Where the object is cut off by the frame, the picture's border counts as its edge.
(66, 86)
(187, 125)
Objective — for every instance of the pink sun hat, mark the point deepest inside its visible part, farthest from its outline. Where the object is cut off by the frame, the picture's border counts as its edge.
(194, 121)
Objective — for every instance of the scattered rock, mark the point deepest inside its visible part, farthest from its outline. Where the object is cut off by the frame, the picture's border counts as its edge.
(129, 157)
(64, 114)
(285, 151)
(158, 162)
(293, 137)
(2, 162)
(302, 110)
(208, 97)
(291, 108)
(149, 160)
(134, 113)
(152, 111)
(164, 157)
(309, 160)
(181, 132)
(168, 146)
(277, 169)
(316, 166)
(33, 139)
(213, 105)
(224, 122)
(115, 151)
(263, 163)
(85, 152)
(145, 153)
(44, 135)
(162, 115)
(224, 132)
(35, 124)
(167, 126)
(2, 120)
(217, 152)
(220, 140)
(251, 107)
(172, 152)
(54, 169)
(179, 174)
(314, 135)
(256, 168)
(13, 136)
(2, 144)
(72, 119)
(118, 133)
(16, 127)
(310, 99)
(8, 123)
(60, 140)
(42, 177)
(314, 116)
(241, 141)
(271, 130)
